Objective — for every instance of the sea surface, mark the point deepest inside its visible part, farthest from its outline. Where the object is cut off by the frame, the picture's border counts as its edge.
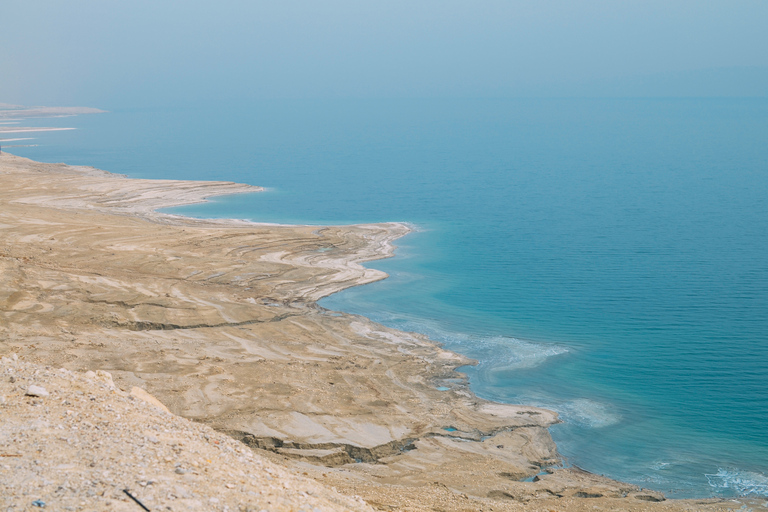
(605, 258)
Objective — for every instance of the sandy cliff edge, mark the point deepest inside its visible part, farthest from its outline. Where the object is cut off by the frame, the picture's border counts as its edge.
(218, 320)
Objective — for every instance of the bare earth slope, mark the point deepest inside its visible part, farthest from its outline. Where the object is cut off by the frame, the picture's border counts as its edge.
(218, 320)
(82, 444)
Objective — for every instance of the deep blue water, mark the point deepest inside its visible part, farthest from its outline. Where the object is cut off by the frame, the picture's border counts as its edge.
(604, 258)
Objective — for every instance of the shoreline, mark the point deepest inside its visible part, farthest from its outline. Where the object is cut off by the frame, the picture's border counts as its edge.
(217, 318)
(14, 129)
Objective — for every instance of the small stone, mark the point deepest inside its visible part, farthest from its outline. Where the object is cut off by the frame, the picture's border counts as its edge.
(38, 503)
(181, 471)
(90, 374)
(229, 486)
(37, 391)
(106, 378)
(153, 439)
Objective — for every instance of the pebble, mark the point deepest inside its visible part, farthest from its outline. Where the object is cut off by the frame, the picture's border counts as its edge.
(37, 391)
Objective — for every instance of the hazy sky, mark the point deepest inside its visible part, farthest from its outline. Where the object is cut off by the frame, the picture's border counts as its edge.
(103, 53)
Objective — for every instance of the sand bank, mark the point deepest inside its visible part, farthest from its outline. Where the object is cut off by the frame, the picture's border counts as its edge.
(8, 111)
(29, 129)
(218, 320)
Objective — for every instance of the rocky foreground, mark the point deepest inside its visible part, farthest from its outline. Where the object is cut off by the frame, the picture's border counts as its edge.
(218, 320)
(74, 441)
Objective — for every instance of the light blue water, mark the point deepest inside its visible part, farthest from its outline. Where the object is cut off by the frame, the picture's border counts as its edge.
(604, 258)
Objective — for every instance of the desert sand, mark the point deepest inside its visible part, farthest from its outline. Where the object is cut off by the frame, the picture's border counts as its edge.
(218, 320)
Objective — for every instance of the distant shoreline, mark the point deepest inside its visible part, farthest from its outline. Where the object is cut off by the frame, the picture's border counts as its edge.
(30, 129)
(8, 111)
(16, 113)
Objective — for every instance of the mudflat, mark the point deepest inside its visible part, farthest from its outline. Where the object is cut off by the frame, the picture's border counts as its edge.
(218, 320)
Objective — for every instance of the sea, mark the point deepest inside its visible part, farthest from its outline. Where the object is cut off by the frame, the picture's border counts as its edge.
(604, 258)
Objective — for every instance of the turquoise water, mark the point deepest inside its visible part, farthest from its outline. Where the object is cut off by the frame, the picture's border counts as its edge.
(604, 258)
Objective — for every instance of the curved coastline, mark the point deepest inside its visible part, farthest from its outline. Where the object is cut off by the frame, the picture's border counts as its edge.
(217, 318)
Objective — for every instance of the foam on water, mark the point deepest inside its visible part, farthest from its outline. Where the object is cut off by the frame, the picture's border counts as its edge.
(587, 413)
(518, 354)
(741, 483)
(495, 354)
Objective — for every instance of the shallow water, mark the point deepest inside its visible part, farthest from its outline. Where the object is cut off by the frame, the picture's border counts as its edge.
(604, 258)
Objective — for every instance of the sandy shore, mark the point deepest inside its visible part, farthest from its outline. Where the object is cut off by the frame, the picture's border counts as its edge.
(218, 320)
